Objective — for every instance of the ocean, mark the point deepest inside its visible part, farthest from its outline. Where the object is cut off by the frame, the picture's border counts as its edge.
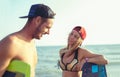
(48, 57)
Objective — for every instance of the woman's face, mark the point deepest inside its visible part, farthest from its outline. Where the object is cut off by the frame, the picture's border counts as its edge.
(73, 37)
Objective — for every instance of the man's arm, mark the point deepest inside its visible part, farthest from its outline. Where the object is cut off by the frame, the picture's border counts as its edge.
(4, 62)
(6, 54)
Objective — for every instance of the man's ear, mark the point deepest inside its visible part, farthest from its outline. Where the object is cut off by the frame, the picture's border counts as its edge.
(38, 20)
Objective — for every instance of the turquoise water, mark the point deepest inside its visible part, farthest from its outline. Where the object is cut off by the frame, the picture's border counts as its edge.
(49, 55)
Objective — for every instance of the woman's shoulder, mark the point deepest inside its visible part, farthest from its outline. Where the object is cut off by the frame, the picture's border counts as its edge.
(82, 50)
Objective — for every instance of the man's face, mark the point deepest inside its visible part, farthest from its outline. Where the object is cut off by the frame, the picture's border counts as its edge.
(43, 28)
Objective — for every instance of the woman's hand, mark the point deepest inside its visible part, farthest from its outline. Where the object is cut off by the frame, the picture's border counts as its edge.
(75, 46)
(80, 64)
(63, 50)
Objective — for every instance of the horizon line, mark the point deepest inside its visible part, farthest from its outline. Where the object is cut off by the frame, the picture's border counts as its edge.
(82, 45)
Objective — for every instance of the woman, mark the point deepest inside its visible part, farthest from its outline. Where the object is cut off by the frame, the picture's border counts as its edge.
(73, 56)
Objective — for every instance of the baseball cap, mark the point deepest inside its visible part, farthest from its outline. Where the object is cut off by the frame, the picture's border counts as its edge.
(40, 10)
(81, 30)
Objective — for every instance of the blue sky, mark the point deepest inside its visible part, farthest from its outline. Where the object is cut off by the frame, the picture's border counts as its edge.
(101, 19)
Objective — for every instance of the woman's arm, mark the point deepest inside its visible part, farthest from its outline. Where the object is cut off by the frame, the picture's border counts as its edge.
(98, 59)
(92, 57)
(87, 56)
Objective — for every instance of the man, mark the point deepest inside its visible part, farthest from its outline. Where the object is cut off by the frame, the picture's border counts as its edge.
(20, 45)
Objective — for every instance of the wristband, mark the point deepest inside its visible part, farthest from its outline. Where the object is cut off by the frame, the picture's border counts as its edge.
(86, 59)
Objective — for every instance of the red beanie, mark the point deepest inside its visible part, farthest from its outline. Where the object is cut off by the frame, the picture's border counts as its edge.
(81, 31)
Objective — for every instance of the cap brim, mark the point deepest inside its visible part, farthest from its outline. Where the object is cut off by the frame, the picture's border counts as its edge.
(24, 17)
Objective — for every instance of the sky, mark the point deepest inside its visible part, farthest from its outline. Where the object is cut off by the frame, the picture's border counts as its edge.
(100, 18)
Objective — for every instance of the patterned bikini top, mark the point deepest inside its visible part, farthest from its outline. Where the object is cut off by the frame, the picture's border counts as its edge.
(71, 65)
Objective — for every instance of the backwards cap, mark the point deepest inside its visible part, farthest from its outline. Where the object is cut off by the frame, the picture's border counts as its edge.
(40, 10)
(81, 31)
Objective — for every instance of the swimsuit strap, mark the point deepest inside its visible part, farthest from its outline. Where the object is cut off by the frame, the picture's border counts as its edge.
(76, 53)
(62, 55)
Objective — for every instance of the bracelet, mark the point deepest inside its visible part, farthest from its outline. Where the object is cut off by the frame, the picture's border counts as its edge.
(86, 59)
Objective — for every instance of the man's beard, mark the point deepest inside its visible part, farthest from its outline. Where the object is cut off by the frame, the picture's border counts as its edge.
(35, 36)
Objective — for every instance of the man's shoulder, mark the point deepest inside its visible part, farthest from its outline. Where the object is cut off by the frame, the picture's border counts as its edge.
(8, 41)
(7, 45)
(9, 38)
